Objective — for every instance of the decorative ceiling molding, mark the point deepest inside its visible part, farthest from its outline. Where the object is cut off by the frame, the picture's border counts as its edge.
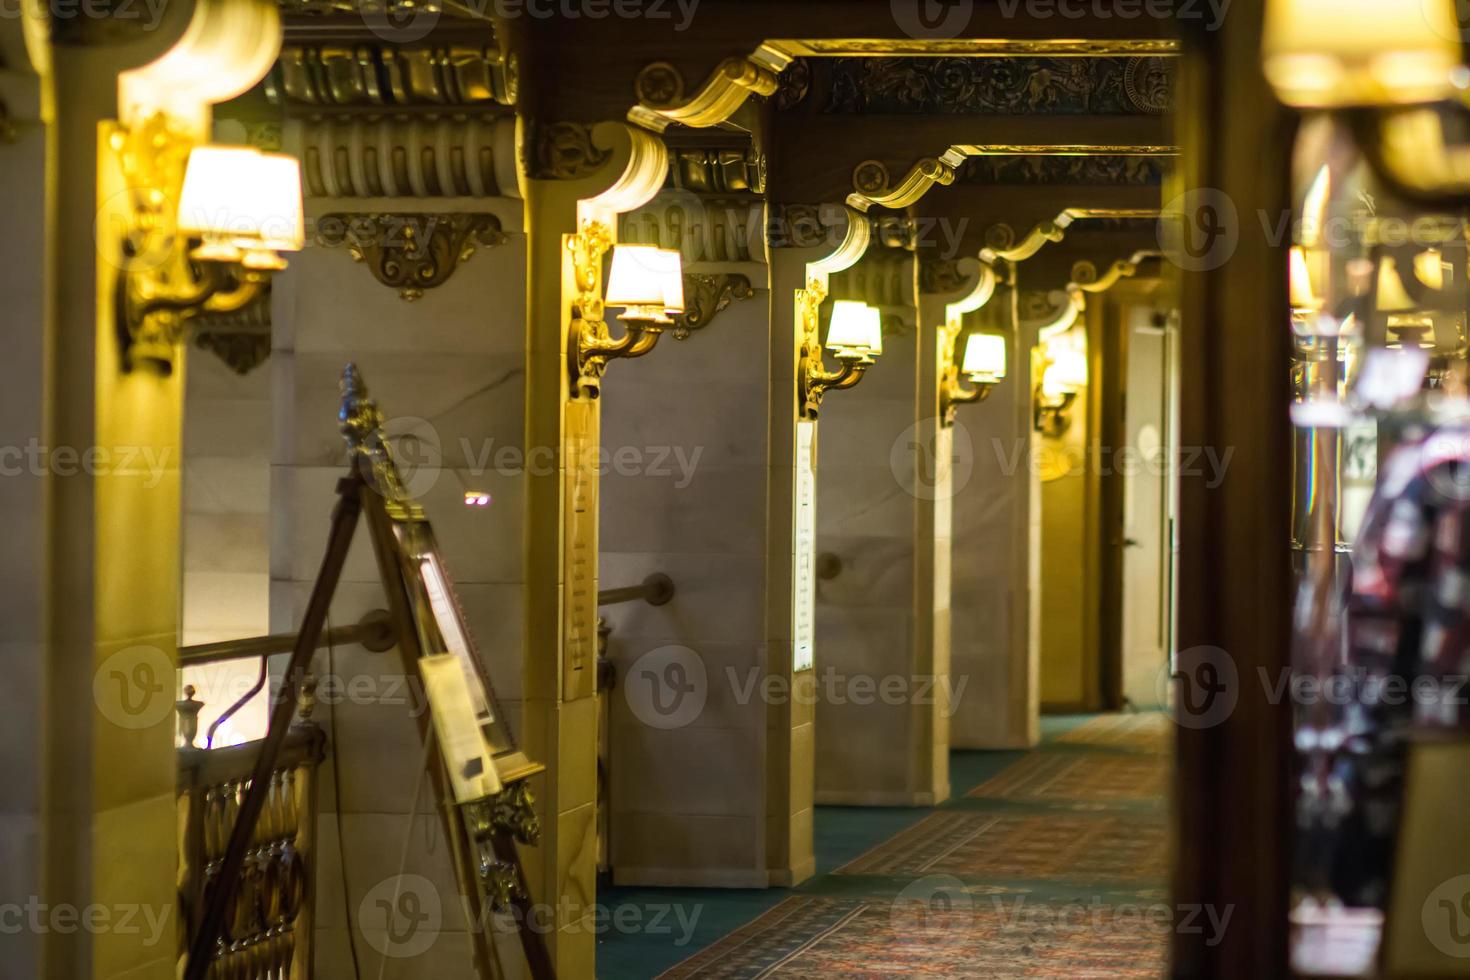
(703, 229)
(409, 157)
(724, 92)
(1054, 312)
(975, 47)
(793, 85)
(1086, 278)
(410, 252)
(1029, 86)
(720, 170)
(1054, 230)
(706, 295)
(330, 74)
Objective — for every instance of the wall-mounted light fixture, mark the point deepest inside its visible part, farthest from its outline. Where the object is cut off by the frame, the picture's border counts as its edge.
(1335, 53)
(1063, 378)
(855, 336)
(984, 364)
(238, 210)
(647, 282)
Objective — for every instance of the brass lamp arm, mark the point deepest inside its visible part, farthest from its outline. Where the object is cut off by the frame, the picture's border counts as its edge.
(846, 376)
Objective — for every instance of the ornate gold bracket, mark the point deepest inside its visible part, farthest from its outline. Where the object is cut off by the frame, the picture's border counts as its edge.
(734, 81)
(951, 393)
(706, 295)
(410, 252)
(813, 380)
(590, 345)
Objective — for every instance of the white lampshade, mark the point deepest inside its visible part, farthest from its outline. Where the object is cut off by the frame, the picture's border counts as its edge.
(672, 272)
(985, 357)
(1392, 297)
(239, 197)
(1328, 53)
(1429, 268)
(647, 279)
(1066, 374)
(856, 327)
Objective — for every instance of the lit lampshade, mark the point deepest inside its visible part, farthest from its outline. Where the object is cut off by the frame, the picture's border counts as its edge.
(635, 279)
(985, 357)
(856, 328)
(1066, 374)
(672, 271)
(1392, 298)
(1302, 297)
(1327, 53)
(1429, 268)
(238, 199)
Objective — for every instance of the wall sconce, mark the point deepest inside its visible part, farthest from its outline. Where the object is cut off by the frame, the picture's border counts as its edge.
(1336, 53)
(984, 364)
(1061, 381)
(646, 281)
(855, 336)
(238, 210)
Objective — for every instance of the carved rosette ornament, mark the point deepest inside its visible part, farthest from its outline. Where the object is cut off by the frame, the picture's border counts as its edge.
(659, 85)
(411, 252)
(793, 84)
(706, 296)
(870, 177)
(1149, 84)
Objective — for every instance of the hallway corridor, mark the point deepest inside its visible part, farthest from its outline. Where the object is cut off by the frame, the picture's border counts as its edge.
(1048, 863)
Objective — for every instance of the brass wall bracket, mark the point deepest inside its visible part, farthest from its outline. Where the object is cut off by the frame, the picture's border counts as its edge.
(813, 379)
(1052, 414)
(411, 252)
(590, 345)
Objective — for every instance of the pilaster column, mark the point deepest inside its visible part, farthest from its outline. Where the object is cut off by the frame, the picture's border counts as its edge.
(882, 667)
(610, 169)
(995, 586)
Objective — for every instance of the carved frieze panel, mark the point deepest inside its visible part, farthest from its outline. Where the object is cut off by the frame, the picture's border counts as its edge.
(724, 170)
(882, 278)
(1075, 170)
(1000, 86)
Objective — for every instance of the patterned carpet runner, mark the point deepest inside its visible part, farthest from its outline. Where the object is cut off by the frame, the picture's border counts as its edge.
(1053, 868)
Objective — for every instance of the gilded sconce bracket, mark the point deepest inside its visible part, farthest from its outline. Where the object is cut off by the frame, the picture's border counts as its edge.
(411, 252)
(160, 289)
(708, 295)
(1052, 414)
(590, 344)
(813, 379)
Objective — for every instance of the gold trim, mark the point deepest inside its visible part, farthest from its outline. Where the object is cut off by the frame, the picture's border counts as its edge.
(977, 47)
(1055, 230)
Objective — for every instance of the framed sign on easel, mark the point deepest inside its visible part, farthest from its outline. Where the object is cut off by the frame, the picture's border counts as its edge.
(480, 776)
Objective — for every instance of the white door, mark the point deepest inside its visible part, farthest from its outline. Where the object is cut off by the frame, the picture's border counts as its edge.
(1147, 473)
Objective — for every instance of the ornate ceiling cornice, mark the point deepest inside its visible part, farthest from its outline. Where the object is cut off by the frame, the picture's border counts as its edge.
(330, 74)
(1003, 247)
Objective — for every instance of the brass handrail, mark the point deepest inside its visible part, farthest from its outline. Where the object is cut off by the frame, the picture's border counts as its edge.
(656, 590)
(373, 631)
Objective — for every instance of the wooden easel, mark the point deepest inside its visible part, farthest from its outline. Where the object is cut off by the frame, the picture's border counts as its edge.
(482, 833)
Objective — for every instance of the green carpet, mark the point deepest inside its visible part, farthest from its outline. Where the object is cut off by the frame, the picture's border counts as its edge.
(1015, 869)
